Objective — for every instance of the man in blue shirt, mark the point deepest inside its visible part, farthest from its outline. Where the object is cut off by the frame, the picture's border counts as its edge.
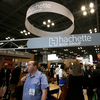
(35, 86)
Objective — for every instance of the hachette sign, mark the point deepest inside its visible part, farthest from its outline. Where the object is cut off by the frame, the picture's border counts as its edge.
(68, 41)
(65, 41)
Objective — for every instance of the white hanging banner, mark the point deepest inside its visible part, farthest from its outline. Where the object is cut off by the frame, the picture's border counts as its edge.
(48, 6)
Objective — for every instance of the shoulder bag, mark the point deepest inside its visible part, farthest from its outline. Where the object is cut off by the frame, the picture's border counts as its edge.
(64, 91)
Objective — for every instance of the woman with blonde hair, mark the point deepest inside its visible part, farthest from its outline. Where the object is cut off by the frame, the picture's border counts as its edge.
(76, 83)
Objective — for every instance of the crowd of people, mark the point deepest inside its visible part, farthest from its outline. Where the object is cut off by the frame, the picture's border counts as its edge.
(82, 79)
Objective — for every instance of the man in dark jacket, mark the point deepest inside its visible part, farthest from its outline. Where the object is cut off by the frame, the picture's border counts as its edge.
(96, 79)
(15, 75)
(5, 74)
(14, 80)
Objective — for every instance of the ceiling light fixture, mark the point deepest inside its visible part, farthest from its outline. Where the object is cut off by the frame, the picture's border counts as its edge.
(48, 25)
(91, 5)
(65, 49)
(21, 32)
(83, 8)
(28, 32)
(84, 13)
(52, 24)
(44, 22)
(49, 21)
(92, 10)
(24, 31)
(1, 43)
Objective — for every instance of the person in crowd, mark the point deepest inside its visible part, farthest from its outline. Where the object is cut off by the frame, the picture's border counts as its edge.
(52, 71)
(91, 70)
(15, 74)
(89, 85)
(70, 70)
(5, 74)
(57, 74)
(22, 68)
(83, 72)
(62, 76)
(14, 79)
(41, 68)
(96, 79)
(76, 82)
(34, 83)
(1, 80)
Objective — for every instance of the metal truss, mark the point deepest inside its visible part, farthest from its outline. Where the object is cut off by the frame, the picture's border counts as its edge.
(12, 41)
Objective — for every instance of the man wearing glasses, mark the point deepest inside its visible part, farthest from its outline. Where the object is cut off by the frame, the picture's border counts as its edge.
(35, 83)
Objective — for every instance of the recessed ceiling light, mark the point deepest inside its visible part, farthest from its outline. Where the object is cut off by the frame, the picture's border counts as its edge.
(95, 49)
(6, 38)
(65, 49)
(28, 32)
(48, 25)
(13, 39)
(92, 10)
(91, 5)
(80, 47)
(1, 43)
(49, 20)
(83, 8)
(44, 22)
(52, 24)
(95, 46)
(90, 30)
(84, 13)
(95, 29)
(35, 50)
(21, 32)
(24, 31)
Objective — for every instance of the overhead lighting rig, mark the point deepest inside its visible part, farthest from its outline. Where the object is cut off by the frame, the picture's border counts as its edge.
(49, 23)
(25, 32)
(85, 9)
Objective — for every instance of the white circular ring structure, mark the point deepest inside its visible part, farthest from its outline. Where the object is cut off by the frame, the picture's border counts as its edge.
(48, 6)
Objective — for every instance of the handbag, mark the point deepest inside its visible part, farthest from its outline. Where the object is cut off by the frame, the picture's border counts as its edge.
(2, 90)
(94, 96)
(64, 91)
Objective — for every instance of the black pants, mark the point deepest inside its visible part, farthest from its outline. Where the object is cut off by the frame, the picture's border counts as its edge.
(57, 76)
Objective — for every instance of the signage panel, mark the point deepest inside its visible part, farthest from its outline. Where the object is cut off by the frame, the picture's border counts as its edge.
(15, 53)
(65, 41)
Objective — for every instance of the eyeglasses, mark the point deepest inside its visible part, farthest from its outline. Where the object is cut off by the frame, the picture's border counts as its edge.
(29, 65)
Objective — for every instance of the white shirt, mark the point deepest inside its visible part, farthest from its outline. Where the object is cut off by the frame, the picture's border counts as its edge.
(62, 73)
(57, 70)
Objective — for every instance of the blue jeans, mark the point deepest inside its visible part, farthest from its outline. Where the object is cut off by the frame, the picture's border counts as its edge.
(98, 92)
(61, 82)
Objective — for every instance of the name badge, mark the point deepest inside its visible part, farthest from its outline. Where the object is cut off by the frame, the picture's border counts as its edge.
(32, 90)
